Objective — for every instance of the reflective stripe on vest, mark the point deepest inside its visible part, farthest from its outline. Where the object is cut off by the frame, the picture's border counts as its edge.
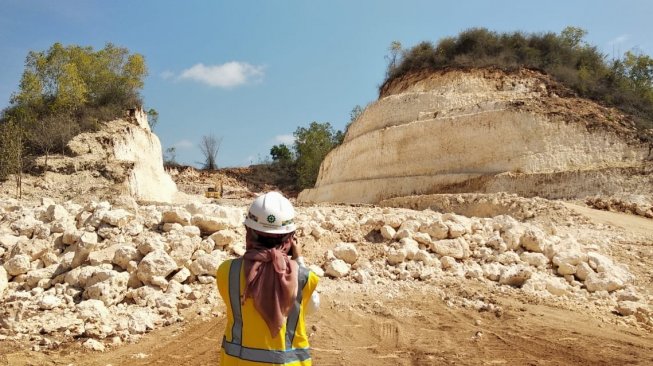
(235, 348)
(265, 355)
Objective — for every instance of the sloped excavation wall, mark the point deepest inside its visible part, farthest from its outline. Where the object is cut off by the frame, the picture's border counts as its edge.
(465, 135)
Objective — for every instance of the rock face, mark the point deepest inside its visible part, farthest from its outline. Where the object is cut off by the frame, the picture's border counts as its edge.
(123, 151)
(480, 131)
(147, 181)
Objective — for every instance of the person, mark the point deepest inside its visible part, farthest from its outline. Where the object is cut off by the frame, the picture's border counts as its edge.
(267, 293)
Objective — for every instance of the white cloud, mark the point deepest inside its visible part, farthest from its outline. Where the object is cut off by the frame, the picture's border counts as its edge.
(618, 40)
(284, 139)
(228, 75)
(167, 75)
(184, 144)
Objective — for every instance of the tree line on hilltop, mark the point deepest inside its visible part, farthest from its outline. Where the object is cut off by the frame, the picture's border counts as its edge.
(625, 82)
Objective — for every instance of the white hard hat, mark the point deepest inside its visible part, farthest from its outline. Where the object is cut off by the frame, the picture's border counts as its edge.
(271, 213)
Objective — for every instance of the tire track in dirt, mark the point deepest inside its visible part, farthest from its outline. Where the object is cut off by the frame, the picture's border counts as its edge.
(412, 328)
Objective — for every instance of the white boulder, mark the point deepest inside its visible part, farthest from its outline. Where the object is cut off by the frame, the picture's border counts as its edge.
(191, 231)
(125, 254)
(34, 277)
(176, 215)
(388, 232)
(8, 241)
(557, 286)
(182, 249)
(515, 276)
(118, 218)
(156, 264)
(436, 229)
(396, 256)
(411, 246)
(534, 240)
(141, 320)
(18, 265)
(182, 275)
(627, 308)
(92, 310)
(224, 237)
(337, 268)
(456, 229)
(403, 233)
(347, 252)
(49, 302)
(456, 248)
(210, 224)
(492, 271)
(422, 238)
(535, 259)
(317, 270)
(603, 282)
(107, 286)
(56, 213)
(583, 270)
(206, 264)
(93, 345)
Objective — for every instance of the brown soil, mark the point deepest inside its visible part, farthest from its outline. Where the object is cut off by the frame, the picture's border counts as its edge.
(414, 327)
(238, 183)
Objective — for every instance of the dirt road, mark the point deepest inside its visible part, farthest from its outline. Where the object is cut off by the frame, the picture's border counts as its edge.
(411, 324)
(634, 224)
(411, 328)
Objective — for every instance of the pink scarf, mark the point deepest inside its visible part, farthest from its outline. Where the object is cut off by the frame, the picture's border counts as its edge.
(271, 281)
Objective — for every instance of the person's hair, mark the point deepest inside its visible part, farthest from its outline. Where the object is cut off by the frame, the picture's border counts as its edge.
(271, 241)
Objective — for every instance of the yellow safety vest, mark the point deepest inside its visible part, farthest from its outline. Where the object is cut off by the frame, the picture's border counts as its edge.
(247, 340)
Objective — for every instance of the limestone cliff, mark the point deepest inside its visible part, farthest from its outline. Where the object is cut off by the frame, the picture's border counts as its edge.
(482, 130)
(123, 157)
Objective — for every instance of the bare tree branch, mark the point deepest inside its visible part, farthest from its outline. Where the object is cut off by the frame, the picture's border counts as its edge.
(209, 146)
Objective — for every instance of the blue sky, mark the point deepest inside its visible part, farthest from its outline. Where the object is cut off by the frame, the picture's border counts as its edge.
(253, 71)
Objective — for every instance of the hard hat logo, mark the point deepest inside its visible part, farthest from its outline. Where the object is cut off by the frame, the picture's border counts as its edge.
(271, 219)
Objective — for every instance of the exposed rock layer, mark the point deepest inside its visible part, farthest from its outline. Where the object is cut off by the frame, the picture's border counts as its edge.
(481, 131)
(124, 156)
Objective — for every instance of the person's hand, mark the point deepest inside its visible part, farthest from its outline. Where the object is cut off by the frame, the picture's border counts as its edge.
(295, 249)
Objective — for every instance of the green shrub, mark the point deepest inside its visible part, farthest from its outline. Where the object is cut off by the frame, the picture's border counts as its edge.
(312, 144)
(70, 89)
(625, 83)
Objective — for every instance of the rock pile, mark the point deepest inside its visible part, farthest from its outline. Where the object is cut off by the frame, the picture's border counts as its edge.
(631, 204)
(429, 246)
(101, 272)
(106, 274)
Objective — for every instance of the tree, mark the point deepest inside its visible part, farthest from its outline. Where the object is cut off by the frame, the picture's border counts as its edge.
(639, 69)
(152, 118)
(393, 58)
(11, 153)
(573, 36)
(209, 146)
(51, 134)
(311, 146)
(70, 78)
(355, 113)
(170, 156)
(281, 153)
